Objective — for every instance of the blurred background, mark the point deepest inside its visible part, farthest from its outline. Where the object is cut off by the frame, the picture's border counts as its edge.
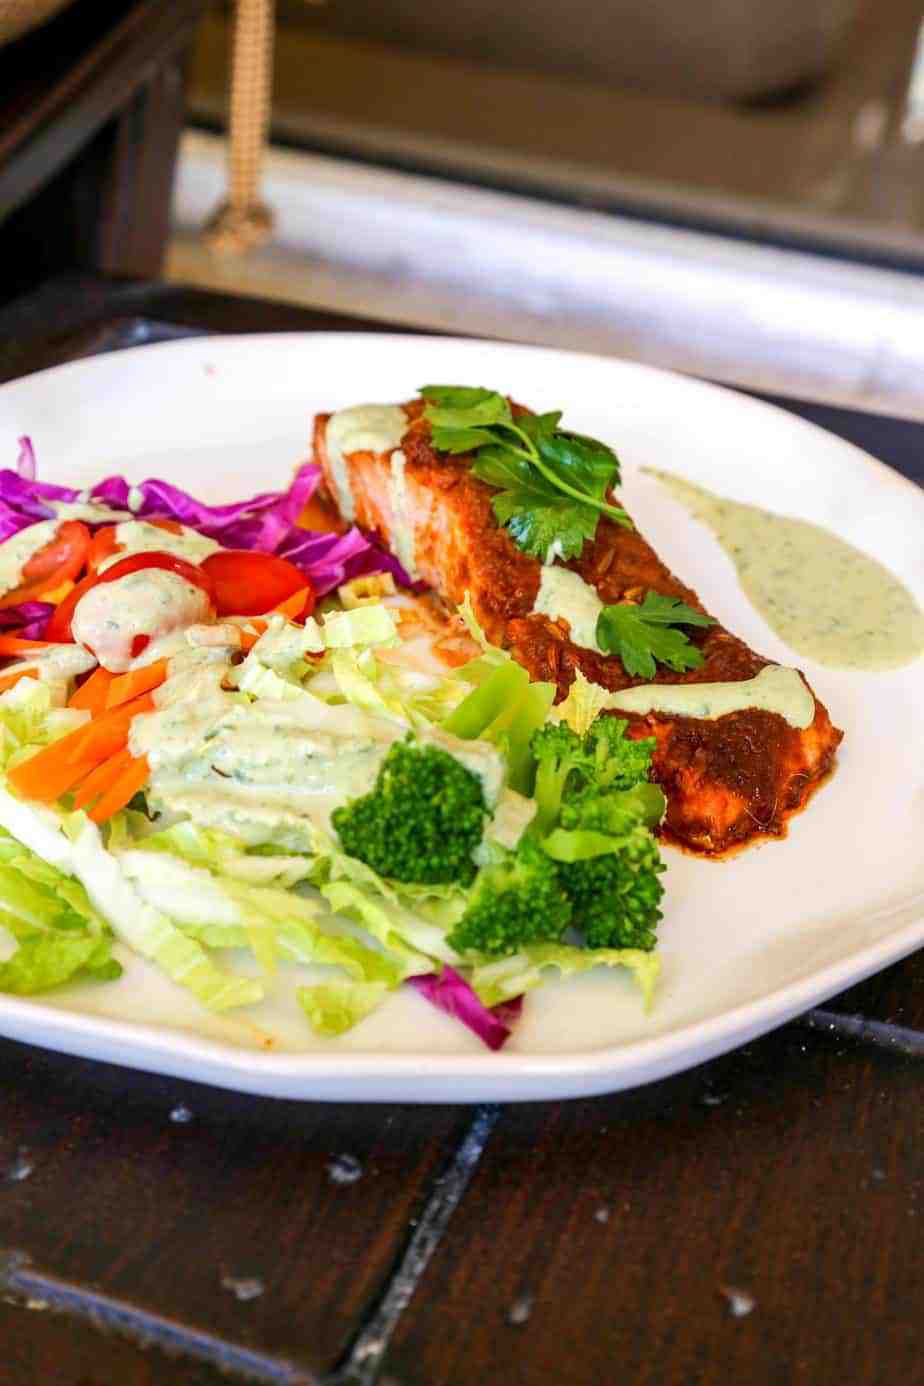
(735, 188)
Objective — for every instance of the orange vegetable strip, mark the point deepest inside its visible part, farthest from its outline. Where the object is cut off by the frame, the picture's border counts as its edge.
(135, 682)
(91, 695)
(102, 778)
(247, 639)
(14, 644)
(10, 680)
(107, 733)
(50, 779)
(56, 768)
(132, 779)
(294, 605)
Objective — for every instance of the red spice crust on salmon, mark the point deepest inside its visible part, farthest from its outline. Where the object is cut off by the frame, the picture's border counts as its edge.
(727, 781)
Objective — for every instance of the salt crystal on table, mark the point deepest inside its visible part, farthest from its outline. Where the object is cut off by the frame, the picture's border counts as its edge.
(244, 1288)
(344, 1169)
(740, 1302)
(520, 1310)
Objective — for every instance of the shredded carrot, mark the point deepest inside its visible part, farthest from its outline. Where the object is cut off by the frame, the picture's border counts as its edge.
(248, 639)
(91, 694)
(320, 515)
(58, 767)
(50, 780)
(58, 594)
(107, 733)
(14, 645)
(134, 777)
(102, 778)
(10, 680)
(137, 681)
(293, 606)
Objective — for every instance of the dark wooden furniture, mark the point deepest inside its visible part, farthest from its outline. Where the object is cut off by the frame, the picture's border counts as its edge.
(757, 1219)
(91, 107)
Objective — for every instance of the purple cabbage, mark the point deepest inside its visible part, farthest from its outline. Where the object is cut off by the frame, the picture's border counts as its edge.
(25, 462)
(28, 619)
(267, 522)
(450, 992)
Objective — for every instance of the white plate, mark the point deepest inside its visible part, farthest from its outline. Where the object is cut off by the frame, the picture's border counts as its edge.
(747, 943)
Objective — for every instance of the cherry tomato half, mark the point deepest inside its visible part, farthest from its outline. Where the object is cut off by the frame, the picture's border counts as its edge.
(59, 623)
(104, 545)
(58, 562)
(168, 562)
(251, 584)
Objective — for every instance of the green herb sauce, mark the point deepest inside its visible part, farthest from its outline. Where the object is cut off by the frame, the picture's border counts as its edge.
(825, 598)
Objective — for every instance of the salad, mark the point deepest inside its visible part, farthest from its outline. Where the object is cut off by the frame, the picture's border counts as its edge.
(231, 743)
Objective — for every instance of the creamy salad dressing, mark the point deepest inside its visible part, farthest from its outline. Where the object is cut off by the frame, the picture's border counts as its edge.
(16, 551)
(91, 512)
(56, 666)
(774, 689)
(402, 529)
(564, 595)
(363, 428)
(272, 769)
(151, 602)
(138, 536)
(825, 598)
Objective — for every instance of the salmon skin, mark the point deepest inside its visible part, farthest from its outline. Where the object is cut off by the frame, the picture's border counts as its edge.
(728, 781)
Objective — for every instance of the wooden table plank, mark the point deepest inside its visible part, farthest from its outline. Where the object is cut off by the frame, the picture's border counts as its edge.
(104, 1183)
(42, 1347)
(757, 1220)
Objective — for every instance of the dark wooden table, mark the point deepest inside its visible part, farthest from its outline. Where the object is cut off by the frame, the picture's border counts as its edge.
(757, 1220)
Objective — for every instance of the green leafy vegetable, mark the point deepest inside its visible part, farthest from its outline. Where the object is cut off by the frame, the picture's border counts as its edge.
(333, 1008)
(644, 634)
(551, 484)
(496, 982)
(60, 935)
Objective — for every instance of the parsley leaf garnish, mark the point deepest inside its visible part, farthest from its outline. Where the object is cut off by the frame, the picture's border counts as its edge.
(550, 483)
(643, 634)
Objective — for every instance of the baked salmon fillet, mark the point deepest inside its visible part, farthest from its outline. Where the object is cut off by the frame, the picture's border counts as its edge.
(727, 781)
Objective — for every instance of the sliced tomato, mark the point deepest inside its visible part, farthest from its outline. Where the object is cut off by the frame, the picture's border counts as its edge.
(58, 562)
(169, 562)
(250, 584)
(104, 546)
(59, 622)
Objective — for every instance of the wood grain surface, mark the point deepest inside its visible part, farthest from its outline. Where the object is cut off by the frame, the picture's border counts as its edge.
(758, 1220)
(755, 1220)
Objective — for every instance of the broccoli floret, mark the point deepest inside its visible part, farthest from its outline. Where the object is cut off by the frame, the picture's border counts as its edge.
(619, 762)
(566, 764)
(421, 822)
(608, 862)
(516, 900)
(560, 757)
(615, 896)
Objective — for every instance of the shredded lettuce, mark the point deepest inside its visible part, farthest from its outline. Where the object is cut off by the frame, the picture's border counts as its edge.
(60, 935)
(333, 1008)
(364, 625)
(584, 703)
(505, 978)
(504, 707)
